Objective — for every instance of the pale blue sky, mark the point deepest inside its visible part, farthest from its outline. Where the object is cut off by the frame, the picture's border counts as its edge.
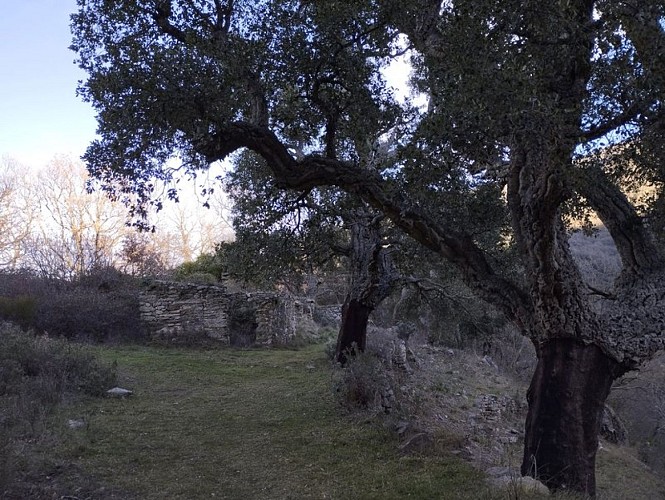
(40, 115)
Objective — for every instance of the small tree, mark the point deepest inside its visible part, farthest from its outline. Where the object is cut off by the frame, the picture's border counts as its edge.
(283, 233)
(139, 257)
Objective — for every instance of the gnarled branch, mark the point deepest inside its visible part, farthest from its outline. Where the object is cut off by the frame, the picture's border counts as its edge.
(456, 246)
(638, 252)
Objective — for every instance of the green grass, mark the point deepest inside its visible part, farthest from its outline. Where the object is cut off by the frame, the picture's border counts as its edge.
(621, 475)
(245, 424)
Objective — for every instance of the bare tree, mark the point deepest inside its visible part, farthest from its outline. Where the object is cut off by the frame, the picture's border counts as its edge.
(78, 230)
(18, 212)
(193, 225)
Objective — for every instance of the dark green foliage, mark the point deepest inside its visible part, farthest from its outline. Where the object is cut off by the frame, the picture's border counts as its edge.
(99, 307)
(281, 235)
(20, 309)
(208, 268)
(184, 84)
(36, 374)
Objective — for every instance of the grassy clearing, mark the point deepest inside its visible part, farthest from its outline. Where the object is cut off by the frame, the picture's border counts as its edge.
(244, 424)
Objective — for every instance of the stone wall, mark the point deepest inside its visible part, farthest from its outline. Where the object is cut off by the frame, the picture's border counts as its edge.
(184, 313)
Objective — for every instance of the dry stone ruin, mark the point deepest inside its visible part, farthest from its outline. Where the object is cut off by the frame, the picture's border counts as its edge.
(186, 313)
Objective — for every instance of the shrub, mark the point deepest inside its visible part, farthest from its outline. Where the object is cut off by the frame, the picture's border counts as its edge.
(90, 314)
(207, 267)
(364, 384)
(100, 306)
(69, 368)
(20, 309)
(308, 332)
(199, 278)
(36, 374)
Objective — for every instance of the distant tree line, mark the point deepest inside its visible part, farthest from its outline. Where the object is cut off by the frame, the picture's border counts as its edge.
(52, 224)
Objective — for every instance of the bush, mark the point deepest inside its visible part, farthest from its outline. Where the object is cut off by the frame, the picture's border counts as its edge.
(36, 374)
(68, 368)
(364, 384)
(100, 306)
(90, 314)
(207, 268)
(308, 332)
(199, 278)
(20, 309)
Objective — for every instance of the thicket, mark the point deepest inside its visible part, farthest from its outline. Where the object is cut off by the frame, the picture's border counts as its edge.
(207, 268)
(37, 373)
(101, 306)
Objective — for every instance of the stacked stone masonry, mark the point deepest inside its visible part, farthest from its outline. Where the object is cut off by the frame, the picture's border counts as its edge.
(183, 313)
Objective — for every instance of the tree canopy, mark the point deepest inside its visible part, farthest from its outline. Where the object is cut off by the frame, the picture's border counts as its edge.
(558, 105)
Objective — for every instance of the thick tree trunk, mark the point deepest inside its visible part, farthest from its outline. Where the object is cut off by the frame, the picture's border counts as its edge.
(566, 399)
(372, 279)
(353, 332)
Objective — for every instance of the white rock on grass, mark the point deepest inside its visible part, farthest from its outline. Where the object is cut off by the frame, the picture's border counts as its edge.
(119, 392)
(76, 423)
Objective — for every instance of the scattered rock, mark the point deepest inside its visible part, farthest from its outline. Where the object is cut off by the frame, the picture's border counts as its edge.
(76, 423)
(119, 392)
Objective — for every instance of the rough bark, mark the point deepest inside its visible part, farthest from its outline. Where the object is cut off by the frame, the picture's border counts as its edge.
(352, 336)
(373, 277)
(566, 400)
